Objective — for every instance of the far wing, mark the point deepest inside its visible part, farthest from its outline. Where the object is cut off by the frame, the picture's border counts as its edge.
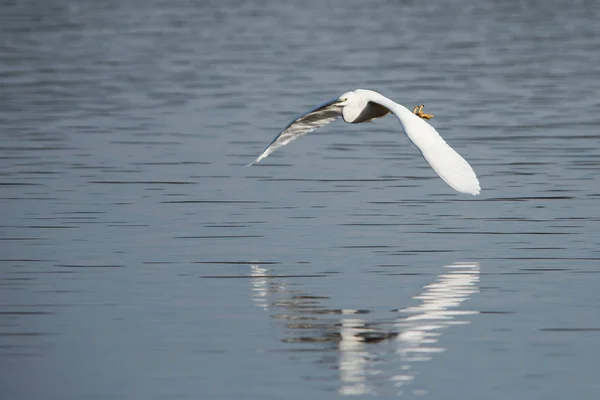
(448, 164)
(315, 118)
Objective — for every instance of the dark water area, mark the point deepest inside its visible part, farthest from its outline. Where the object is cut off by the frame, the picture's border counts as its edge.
(140, 259)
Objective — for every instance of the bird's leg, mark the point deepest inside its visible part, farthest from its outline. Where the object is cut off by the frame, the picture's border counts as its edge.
(418, 111)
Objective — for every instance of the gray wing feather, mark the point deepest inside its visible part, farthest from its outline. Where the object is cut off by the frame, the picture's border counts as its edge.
(370, 112)
(313, 119)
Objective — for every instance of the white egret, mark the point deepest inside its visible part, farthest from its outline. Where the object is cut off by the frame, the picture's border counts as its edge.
(366, 105)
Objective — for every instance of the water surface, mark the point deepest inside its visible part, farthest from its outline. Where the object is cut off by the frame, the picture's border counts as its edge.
(138, 259)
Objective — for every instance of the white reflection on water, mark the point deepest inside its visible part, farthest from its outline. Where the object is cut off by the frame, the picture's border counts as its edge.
(420, 331)
(372, 351)
(353, 358)
(260, 286)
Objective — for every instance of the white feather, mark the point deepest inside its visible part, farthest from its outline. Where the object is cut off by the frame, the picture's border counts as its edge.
(446, 162)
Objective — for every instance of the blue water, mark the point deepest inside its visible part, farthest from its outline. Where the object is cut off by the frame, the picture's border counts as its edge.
(139, 259)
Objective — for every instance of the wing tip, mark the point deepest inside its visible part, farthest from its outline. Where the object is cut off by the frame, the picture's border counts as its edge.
(258, 159)
(473, 189)
(475, 192)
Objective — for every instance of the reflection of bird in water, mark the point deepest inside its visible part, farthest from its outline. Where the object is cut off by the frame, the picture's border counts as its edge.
(410, 337)
(366, 105)
(420, 330)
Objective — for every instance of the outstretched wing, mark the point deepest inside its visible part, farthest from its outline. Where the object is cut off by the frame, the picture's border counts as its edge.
(315, 118)
(448, 164)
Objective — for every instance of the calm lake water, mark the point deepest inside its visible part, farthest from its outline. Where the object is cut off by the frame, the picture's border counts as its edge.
(140, 260)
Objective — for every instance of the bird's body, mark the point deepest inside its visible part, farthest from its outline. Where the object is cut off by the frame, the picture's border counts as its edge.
(366, 105)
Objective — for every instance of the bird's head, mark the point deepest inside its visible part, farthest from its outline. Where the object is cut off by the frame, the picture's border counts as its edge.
(353, 104)
(347, 99)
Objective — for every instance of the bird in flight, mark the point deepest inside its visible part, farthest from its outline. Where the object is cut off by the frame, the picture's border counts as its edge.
(366, 105)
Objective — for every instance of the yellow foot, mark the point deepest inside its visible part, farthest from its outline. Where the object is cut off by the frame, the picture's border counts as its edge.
(418, 111)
